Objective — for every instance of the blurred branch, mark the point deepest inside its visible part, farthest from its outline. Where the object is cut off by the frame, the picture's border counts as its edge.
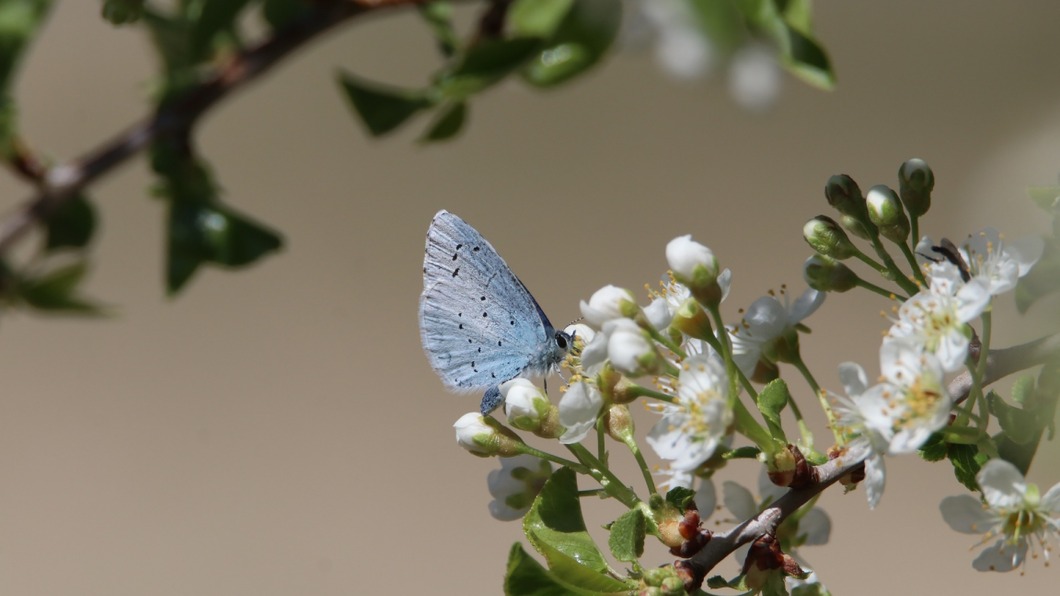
(1000, 363)
(62, 183)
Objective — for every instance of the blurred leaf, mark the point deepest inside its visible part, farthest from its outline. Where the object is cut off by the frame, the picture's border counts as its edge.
(807, 60)
(1019, 425)
(1042, 280)
(382, 109)
(1047, 198)
(483, 65)
(215, 16)
(72, 225)
(811, 589)
(447, 124)
(56, 291)
(722, 23)
(555, 522)
(526, 577)
(680, 497)
(799, 52)
(1023, 389)
(627, 536)
(439, 17)
(204, 233)
(745, 452)
(934, 449)
(966, 460)
(537, 18)
(771, 401)
(19, 22)
(797, 13)
(280, 13)
(581, 40)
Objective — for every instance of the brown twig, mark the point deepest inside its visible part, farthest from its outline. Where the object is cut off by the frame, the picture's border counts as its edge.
(1000, 363)
(62, 183)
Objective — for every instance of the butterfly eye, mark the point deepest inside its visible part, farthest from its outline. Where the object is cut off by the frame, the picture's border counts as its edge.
(561, 341)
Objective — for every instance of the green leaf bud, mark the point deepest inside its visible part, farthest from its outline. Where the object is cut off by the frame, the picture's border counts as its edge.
(885, 210)
(826, 274)
(915, 182)
(826, 237)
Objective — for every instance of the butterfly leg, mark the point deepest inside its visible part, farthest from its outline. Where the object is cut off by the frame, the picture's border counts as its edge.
(491, 400)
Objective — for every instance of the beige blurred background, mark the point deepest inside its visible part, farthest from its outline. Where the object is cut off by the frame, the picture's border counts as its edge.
(278, 431)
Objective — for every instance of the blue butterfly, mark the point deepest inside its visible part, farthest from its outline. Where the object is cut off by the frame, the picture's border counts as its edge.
(478, 323)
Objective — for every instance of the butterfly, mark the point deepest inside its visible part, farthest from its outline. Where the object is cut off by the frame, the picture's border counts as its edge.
(479, 324)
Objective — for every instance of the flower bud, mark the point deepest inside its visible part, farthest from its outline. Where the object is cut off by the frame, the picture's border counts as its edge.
(526, 406)
(515, 486)
(825, 236)
(692, 320)
(581, 335)
(826, 274)
(885, 210)
(630, 351)
(606, 304)
(915, 182)
(620, 423)
(844, 196)
(855, 227)
(695, 266)
(485, 437)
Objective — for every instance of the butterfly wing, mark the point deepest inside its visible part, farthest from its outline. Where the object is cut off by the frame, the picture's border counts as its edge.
(478, 323)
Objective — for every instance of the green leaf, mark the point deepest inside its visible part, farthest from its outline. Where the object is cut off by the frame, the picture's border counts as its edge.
(966, 461)
(382, 109)
(774, 584)
(627, 536)
(722, 23)
(526, 577)
(1023, 389)
(934, 449)
(555, 522)
(537, 18)
(680, 497)
(716, 582)
(439, 17)
(580, 41)
(745, 452)
(1047, 198)
(576, 575)
(215, 17)
(799, 52)
(200, 233)
(771, 401)
(485, 64)
(72, 225)
(1018, 425)
(448, 123)
(56, 291)
(19, 22)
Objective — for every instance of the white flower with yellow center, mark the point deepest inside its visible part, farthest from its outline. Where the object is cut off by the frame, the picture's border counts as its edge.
(1014, 512)
(913, 397)
(766, 320)
(859, 414)
(692, 427)
(936, 319)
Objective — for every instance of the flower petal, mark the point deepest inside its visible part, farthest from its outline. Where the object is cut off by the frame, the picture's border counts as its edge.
(738, 500)
(1003, 485)
(966, 514)
(1001, 557)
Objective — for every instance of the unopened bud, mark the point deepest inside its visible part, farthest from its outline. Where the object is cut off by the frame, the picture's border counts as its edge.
(885, 210)
(692, 320)
(855, 226)
(825, 236)
(844, 196)
(826, 274)
(915, 182)
(696, 267)
(485, 437)
(620, 423)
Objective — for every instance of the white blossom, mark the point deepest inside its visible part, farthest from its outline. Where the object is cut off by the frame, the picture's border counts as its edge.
(766, 320)
(472, 433)
(692, 427)
(515, 485)
(605, 305)
(936, 319)
(859, 415)
(524, 403)
(578, 409)
(685, 255)
(627, 346)
(1014, 512)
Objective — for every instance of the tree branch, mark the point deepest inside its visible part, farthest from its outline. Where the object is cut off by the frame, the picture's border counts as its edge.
(1000, 363)
(60, 184)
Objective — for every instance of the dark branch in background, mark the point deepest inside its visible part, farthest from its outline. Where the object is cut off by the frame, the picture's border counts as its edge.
(62, 183)
(1000, 363)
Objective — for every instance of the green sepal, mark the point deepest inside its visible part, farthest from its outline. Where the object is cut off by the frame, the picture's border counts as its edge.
(526, 577)
(555, 523)
(771, 402)
(580, 40)
(72, 225)
(382, 108)
(774, 584)
(627, 536)
(56, 291)
(1019, 425)
(447, 124)
(680, 497)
